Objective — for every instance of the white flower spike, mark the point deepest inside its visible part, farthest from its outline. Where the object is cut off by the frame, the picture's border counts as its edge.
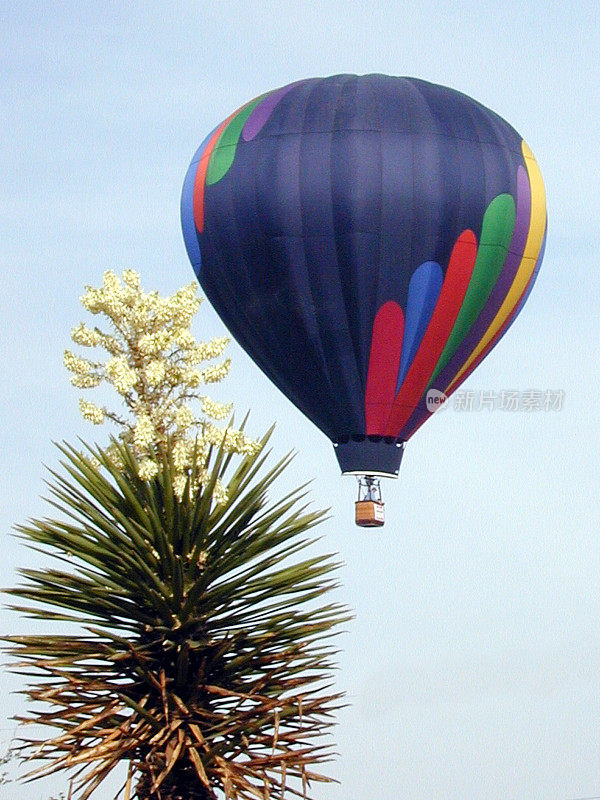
(157, 367)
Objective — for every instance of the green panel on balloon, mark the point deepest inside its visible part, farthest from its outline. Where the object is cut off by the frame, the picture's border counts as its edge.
(496, 233)
(224, 152)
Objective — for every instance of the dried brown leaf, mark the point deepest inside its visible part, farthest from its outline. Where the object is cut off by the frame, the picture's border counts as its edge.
(199, 766)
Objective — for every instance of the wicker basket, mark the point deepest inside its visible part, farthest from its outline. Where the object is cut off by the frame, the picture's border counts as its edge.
(370, 514)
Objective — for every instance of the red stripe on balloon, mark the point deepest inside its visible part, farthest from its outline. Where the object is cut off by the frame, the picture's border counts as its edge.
(454, 288)
(384, 363)
(200, 180)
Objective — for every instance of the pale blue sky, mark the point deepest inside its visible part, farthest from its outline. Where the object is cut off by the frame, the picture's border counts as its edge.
(472, 665)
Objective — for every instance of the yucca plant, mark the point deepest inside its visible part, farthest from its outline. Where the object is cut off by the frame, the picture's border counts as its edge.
(203, 658)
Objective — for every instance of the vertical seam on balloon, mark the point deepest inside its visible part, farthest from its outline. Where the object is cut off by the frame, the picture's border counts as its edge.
(376, 294)
(336, 277)
(460, 187)
(241, 258)
(373, 310)
(435, 142)
(315, 84)
(414, 89)
(336, 245)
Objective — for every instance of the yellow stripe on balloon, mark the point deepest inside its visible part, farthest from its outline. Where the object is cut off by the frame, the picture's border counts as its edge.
(533, 245)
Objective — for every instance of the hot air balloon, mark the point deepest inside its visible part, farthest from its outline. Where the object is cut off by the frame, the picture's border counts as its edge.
(367, 240)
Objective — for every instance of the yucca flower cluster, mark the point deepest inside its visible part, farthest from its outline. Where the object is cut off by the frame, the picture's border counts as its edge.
(158, 369)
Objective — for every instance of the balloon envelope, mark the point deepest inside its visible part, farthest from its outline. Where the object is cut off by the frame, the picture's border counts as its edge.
(367, 240)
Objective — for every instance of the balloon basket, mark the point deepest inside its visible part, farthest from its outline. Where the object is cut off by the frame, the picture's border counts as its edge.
(369, 514)
(369, 508)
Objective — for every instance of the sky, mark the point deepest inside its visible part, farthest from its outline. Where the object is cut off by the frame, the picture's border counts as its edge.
(471, 666)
